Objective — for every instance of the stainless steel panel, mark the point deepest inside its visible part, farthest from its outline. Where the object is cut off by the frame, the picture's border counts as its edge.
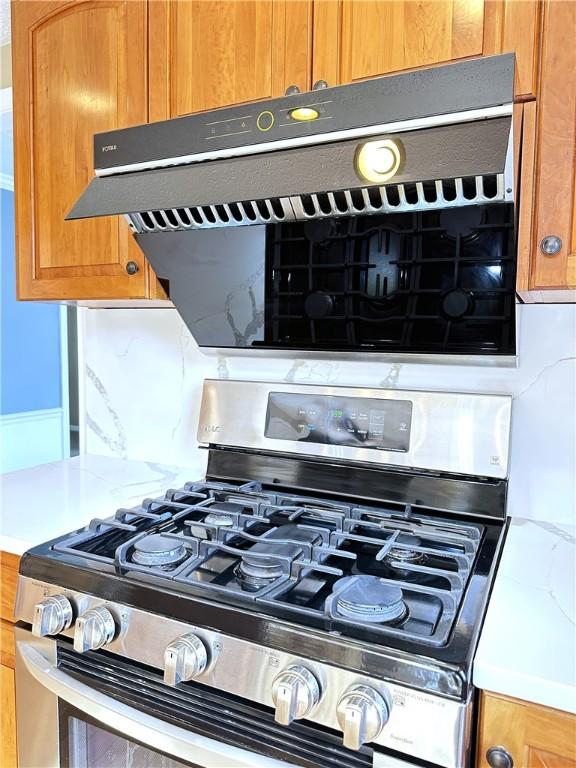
(40, 685)
(36, 707)
(421, 724)
(414, 358)
(454, 433)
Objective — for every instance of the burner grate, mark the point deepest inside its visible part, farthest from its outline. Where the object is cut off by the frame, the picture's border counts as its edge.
(293, 556)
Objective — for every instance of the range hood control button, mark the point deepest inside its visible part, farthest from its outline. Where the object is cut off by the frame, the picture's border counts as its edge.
(184, 659)
(51, 616)
(295, 692)
(265, 121)
(94, 629)
(362, 714)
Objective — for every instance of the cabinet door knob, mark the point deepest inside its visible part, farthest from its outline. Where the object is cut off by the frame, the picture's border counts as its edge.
(131, 267)
(551, 245)
(498, 757)
(319, 84)
(292, 90)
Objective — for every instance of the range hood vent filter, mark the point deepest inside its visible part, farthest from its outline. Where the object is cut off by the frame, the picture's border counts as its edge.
(393, 198)
(207, 216)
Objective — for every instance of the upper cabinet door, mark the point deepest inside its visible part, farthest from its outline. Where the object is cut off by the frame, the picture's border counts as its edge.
(205, 55)
(79, 68)
(355, 40)
(553, 261)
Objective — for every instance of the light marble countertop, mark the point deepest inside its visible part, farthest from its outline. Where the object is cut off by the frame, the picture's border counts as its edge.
(527, 647)
(42, 502)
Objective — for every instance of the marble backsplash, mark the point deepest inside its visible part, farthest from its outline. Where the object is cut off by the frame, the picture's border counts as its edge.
(143, 377)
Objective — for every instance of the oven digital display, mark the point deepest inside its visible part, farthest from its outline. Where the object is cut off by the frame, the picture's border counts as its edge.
(353, 421)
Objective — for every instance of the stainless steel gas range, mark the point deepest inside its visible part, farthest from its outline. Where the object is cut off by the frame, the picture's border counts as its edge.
(314, 601)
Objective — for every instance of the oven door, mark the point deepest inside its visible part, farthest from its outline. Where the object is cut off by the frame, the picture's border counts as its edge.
(64, 722)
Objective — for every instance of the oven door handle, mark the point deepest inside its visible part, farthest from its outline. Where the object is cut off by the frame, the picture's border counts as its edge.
(157, 734)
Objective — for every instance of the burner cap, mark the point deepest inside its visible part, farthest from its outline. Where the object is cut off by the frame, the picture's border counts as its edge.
(256, 569)
(223, 521)
(217, 514)
(260, 574)
(158, 550)
(407, 555)
(369, 599)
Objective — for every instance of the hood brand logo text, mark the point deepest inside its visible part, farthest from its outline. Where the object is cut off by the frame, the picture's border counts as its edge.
(109, 148)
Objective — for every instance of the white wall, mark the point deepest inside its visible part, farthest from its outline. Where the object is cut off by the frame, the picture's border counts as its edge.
(144, 375)
(32, 437)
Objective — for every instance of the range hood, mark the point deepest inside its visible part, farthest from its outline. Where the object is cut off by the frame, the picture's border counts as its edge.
(257, 163)
(372, 217)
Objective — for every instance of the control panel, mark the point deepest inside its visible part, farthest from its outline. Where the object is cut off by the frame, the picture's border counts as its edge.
(335, 420)
(365, 710)
(364, 106)
(275, 120)
(296, 691)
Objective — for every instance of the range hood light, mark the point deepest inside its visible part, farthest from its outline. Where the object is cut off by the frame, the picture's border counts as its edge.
(378, 161)
(303, 114)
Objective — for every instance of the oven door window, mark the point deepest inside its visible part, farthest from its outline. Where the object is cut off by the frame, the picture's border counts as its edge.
(86, 743)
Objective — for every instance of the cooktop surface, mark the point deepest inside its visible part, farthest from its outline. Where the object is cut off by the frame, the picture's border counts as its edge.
(372, 572)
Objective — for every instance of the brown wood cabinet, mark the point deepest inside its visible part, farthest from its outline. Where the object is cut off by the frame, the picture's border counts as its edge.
(86, 66)
(551, 162)
(8, 756)
(354, 40)
(78, 68)
(8, 576)
(533, 736)
(209, 55)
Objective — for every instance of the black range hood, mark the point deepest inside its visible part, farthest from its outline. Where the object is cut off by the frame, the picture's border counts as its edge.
(272, 232)
(254, 163)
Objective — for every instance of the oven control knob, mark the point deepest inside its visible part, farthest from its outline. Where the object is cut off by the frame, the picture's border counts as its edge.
(94, 629)
(295, 692)
(362, 714)
(184, 659)
(51, 616)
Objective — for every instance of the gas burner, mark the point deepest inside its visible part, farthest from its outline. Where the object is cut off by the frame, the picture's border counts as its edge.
(158, 550)
(406, 555)
(220, 521)
(369, 599)
(263, 563)
(255, 575)
(217, 515)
